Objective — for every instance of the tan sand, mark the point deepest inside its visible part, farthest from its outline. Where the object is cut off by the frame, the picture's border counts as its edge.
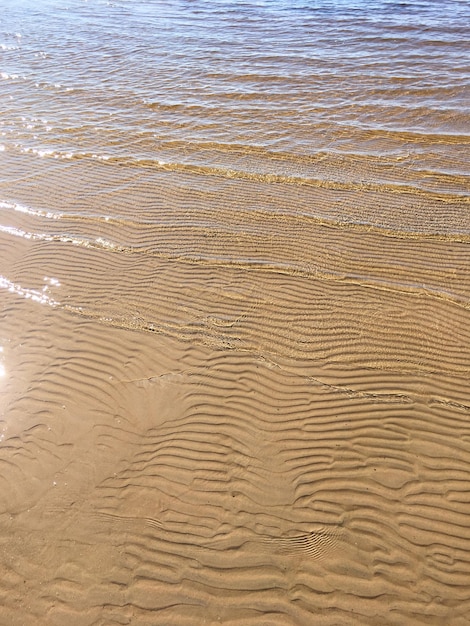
(224, 402)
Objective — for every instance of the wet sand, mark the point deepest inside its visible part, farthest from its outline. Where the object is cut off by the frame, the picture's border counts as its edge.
(234, 376)
(230, 417)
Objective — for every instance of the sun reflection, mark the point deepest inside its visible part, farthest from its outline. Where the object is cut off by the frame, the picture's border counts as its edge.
(32, 294)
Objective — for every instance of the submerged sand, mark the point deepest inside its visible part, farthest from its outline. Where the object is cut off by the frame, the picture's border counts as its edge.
(213, 414)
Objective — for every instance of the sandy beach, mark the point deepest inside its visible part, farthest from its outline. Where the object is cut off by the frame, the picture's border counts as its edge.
(234, 317)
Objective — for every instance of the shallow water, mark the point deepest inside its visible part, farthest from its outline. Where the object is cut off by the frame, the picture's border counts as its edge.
(234, 313)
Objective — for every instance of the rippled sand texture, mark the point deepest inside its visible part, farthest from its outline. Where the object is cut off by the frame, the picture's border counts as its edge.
(234, 314)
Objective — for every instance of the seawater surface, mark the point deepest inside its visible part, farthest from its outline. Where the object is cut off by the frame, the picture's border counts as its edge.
(234, 313)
